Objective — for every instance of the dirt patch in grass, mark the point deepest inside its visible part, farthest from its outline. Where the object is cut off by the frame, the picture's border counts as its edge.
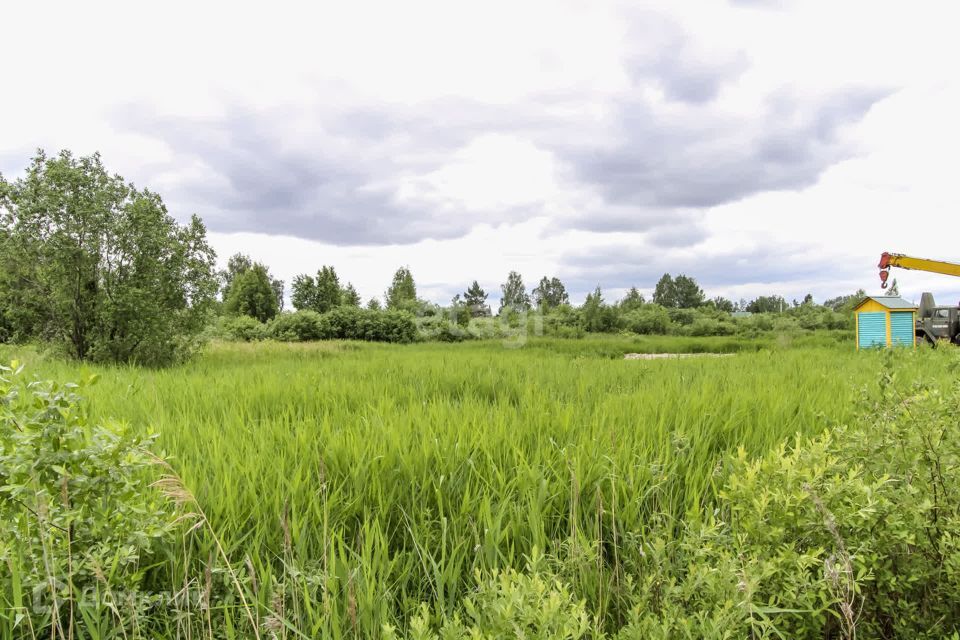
(663, 356)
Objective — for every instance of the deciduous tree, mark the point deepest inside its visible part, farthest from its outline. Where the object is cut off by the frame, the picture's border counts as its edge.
(99, 266)
(513, 294)
(550, 294)
(403, 290)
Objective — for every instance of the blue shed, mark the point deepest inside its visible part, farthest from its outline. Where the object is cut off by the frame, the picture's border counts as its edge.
(885, 321)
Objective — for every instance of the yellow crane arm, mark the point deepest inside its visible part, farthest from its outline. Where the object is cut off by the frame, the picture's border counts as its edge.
(888, 260)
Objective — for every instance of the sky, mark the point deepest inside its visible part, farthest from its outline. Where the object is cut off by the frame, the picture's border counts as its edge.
(761, 147)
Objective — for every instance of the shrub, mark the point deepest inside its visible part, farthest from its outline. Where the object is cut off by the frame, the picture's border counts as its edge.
(77, 506)
(853, 533)
(243, 328)
(711, 327)
(440, 329)
(299, 326)
(648, 319)
(509, 604)
(345, 323)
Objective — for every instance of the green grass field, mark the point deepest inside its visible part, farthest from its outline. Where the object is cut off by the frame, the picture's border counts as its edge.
(363, 480)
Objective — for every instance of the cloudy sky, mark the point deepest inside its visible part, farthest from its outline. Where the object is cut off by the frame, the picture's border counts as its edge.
(759, 146)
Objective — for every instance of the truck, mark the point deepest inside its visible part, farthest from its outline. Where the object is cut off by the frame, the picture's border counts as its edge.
(935, 324)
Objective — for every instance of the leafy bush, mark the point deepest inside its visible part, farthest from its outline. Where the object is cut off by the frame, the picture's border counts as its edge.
(345, 323)
(243, 329)
(299, 326)
(509, 604)
(648, 319)
(711, 327)
(440, 329)
(853, 533)
(80, 524)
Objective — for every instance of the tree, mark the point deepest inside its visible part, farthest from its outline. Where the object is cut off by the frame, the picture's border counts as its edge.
(374, 304)
(403, 290)
(237, 264)
(303, 292)
(688, 293)
(845, 303)
(476, 300)
(251, 294)
(513, 294)
(99, 266)
(349, 296)
(723, 304)
(240, 263)
(681, 292)
(550, 294)
(665, 293)
(277, 285)
(808, 299)
(767, 304)
(632, 301)
(596, 315)
(328, 293)
(320, 294)
(894, 290)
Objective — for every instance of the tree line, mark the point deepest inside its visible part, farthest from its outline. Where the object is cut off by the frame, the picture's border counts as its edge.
(96, 266)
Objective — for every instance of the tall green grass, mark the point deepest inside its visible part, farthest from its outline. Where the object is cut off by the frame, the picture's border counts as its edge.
(349, 483)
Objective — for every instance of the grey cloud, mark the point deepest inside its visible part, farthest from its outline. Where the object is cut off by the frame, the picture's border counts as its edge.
(321, 183)
(715, 159)
(626, 266)
(334, 176)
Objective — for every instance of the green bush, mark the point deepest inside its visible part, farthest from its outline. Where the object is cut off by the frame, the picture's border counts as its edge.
(711, 327)
(299, 326)
(80, 522)
(442, 330)
(853, 533)
(535, 605)
(243, 329)
(345, 323)
(648, 319)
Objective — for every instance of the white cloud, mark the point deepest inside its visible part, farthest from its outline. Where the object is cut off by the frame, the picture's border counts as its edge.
(478, 117)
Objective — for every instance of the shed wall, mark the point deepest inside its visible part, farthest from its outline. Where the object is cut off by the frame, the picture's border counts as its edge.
(871, 329)
(902, 328)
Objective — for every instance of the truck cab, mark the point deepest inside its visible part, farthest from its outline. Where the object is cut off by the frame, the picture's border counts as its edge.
(937, 323)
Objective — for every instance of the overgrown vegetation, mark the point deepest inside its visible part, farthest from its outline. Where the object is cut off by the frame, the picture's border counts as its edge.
(473, 491)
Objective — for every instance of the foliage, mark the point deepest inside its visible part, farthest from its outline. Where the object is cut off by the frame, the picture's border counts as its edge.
(632, 301)
(299, 326)
(852, 533)
(80, 524)
(99, 267)
(510, 604)
(681, 292)
(648, 319)
(320, 294)
(240, 263)
(513, 294)
(402, 291)
(349, 296)
(845, 304)
(768, 304)
(241, 328)
(722, 304)
(476, 300)
(596, 315)
(441, 329)
(550, 293)
(251, 294)
(344, 323)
